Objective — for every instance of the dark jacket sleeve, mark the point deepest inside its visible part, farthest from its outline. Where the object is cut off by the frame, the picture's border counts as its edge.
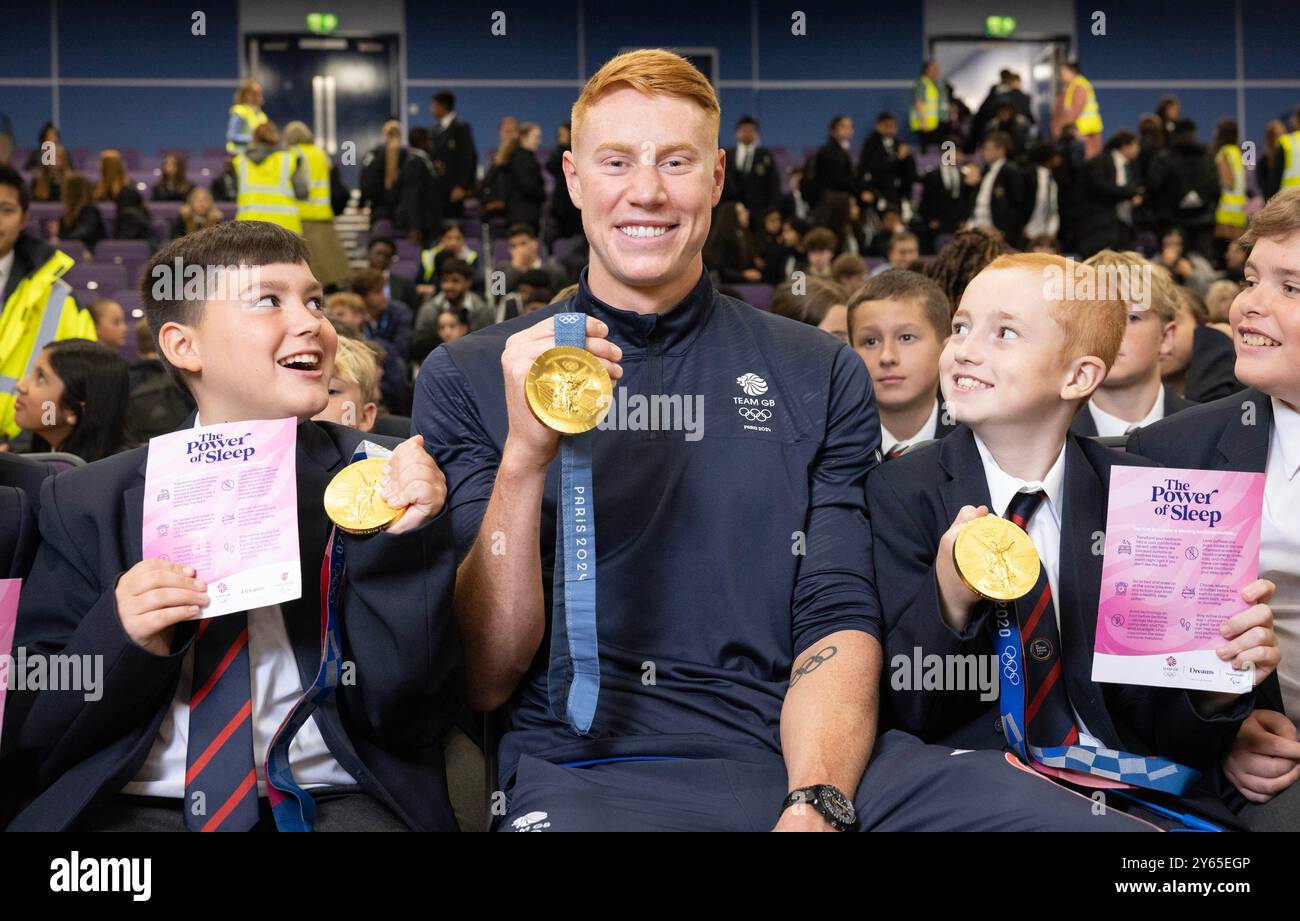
(903, 550)
(66, 610)
(399, 632)
(400, 331)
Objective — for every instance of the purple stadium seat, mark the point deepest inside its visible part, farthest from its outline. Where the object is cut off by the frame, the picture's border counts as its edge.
(92, 280)
(121, 251)
(167, 210)
(131, 301)
(227, 209)
(408, 254)
(383, 228)
(44, 211)
(74, 248)
(759, 296)
(131, 255)
(500, 250)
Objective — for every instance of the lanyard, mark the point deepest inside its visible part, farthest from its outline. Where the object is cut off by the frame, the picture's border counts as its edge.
(1069, 761)
(573, 680)
(291, 805)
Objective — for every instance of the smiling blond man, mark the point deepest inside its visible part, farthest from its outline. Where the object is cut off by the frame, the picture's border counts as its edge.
(734, 654)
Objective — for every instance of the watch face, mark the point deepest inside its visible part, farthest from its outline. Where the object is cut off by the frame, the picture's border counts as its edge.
(838, 805)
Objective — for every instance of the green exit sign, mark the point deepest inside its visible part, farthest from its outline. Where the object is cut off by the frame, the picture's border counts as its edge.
(999, 26)
(322, 23)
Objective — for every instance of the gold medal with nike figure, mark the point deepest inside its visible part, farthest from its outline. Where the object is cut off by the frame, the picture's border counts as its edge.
(996, 559)
(354, 499)
(568, 390)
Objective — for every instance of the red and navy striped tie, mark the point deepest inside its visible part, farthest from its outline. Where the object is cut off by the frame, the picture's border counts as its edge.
(1049, 721)
(220, 777)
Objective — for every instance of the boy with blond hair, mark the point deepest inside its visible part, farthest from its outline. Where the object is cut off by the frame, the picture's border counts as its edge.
(354, 387)
(1132, 394)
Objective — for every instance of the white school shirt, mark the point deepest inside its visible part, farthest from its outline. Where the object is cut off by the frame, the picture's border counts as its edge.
(1108, 425)
(887, 439)
(1279, 548)
(1046, 218)
(983, 213)
(1044, 530)
(276, 687)
(6, 269)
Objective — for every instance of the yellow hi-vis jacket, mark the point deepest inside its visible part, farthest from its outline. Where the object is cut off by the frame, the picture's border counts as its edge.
(244, 120)
(41, 310)
(929, 119)
(1232, 201)
(266, 190)
(1291, 159)
(1089, 120)
(317, 207)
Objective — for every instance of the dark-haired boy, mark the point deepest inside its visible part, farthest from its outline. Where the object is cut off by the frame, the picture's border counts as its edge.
(898, 323)
(455, 292)
(189, 707)
(1014, 372)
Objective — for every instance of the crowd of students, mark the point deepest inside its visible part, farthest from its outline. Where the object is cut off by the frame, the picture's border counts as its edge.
(904, 403)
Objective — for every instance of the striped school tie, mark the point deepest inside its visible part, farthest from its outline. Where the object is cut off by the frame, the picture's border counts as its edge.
(1049, 721)
(220, 778)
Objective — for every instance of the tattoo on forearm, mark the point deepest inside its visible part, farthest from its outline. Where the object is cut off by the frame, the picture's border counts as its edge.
(812, 663)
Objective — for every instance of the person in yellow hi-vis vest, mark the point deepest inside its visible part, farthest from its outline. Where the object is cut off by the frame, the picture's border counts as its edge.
(929, 105)
(1230, 215)
(245, 116)
(1285, 172)
(38, 306)
(270, 180)
(329, 262)
(1077, 105)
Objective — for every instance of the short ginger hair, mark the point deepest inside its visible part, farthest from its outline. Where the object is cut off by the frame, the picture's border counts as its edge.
(1092, 326)
(651, 72)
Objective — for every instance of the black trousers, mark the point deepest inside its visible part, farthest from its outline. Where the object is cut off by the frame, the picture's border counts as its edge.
(337, 809)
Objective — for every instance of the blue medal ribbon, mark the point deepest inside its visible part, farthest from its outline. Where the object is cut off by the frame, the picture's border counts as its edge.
(1146, 771)
(573, 680)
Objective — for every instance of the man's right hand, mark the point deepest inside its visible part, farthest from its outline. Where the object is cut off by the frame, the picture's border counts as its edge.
(955, 600)
(153, 596)
(529, 443)
(1265, 756)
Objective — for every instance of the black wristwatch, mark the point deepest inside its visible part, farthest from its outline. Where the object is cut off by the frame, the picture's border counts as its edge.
(834, 806)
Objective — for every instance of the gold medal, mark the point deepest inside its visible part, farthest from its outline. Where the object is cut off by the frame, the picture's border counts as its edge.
(568, 390)
(354, 499)
(995, 559)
